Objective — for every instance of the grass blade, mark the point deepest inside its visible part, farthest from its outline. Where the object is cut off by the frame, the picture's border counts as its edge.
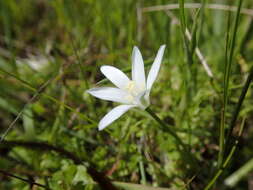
(227, 74)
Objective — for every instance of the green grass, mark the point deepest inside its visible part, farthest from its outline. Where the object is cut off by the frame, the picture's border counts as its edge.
(49, 123)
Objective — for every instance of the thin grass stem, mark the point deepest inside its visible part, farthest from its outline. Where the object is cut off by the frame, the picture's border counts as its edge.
(228, 64)
(227, 160)
(232, 124)
(238, 108)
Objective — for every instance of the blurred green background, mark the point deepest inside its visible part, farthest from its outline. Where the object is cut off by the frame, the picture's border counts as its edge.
(51, 52)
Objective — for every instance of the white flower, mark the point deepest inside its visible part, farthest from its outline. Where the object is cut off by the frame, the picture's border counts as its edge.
(131, 93)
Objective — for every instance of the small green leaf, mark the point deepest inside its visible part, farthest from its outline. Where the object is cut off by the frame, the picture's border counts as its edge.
(82, 176)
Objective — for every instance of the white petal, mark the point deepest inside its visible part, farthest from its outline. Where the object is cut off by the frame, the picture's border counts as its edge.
(114, 114)
(138, 72)
(111, 94)
(116, 76)
(155, 67)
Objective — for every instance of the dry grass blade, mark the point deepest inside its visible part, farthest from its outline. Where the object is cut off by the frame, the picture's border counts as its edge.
(197, 5)
(197, 50)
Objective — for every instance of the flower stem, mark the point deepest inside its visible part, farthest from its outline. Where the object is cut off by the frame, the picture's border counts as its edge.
(164, 127)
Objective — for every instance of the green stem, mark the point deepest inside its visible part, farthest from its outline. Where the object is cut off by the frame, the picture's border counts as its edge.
(221, 137)
(232, 125)
(224, 103)
(228, 64)
(226, 162)
(238, 108)
(220, 171)
(164, 127)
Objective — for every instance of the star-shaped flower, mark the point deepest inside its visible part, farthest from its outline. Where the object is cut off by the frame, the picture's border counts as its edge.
(130, 93)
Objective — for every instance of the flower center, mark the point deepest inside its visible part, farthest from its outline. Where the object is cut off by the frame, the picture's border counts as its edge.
(133, 92)
(131, 88)
(136, 94)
